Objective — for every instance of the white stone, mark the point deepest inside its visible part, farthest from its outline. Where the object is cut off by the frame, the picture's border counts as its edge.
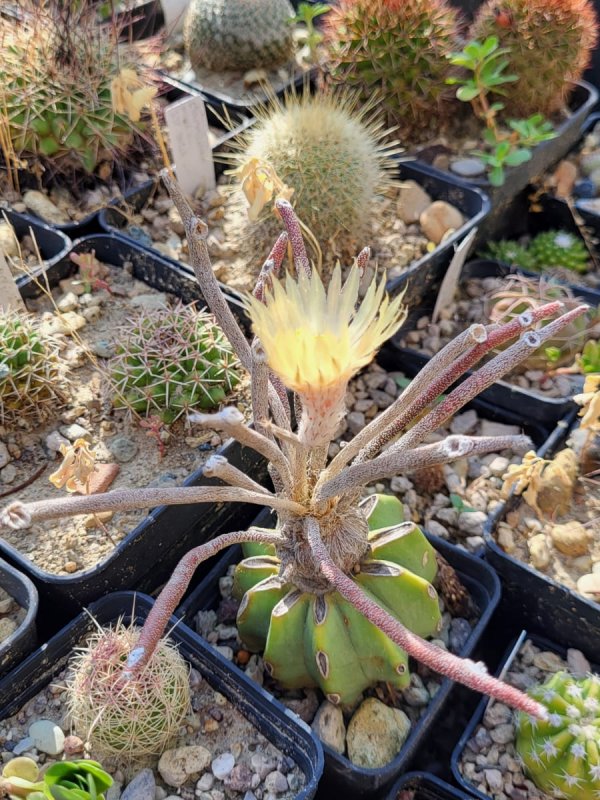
(222, 765)
(328, 725)
(47, 736)
(176, 766)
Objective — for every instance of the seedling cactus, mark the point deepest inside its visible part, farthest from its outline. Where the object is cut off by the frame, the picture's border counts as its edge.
(172, 361)
(561, 754)
(312, 341)
(30, 378)
(555, 248)
(238, 35)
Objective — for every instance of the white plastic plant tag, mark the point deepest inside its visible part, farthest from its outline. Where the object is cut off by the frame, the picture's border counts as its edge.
(10, 298)
(188, 137)
(450, 282)
(174, 13)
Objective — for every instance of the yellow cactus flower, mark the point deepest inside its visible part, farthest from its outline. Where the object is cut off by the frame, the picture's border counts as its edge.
(77, 467)
(317, 339)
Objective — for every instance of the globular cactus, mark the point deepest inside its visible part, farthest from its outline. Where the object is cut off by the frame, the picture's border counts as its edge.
(562, 753)
(57, 98)
(398, 49)
(530, 30)
(336, 648)
(559, 249)
(328, 150)
(512, 253)
(127, 720)
(232, 35)
(31, 383)
(171, 361)
(518, 295)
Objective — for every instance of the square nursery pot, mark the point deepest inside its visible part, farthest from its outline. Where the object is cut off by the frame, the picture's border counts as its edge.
(23, 640)
(539, 641)
(271, 719)
(533, 406)
(582, 100)
(419, 277)
(53, 244)
(548, 607)
(146, 556)
(341, 776)
(423, 786)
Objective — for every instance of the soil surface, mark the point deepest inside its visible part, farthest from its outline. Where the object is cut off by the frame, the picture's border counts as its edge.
(242, 762)
(115, 435)
(490, 761)
(11, 615)
(471, 306)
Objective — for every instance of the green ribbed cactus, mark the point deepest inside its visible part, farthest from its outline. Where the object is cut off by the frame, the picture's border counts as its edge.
(399, 49)
(57, 91)
(240, 35)
(562, 754)
(30, 376)
(336, 648)
(559, 249)
(531, 30)
(171, 361)
(510, 252)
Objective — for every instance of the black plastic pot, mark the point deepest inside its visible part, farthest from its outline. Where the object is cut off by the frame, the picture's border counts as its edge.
(145, 20)
(538, 640)
(340, 774)
(53, 244)
(273, 721)
(548, 607)
(423, 786)
(533, 406)
(582, 100)
(591, 218)
(20, 643)
(419, 277)
(146, 556)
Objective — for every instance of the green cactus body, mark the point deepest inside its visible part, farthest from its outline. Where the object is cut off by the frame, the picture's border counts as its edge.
(327, 149)
(173, 361)
(512, 253)
(237, 35)
(30, 376)
(562, 754)
(336, 648)
(56, 90)
(399, 49)
(531, 29)
(559, 249)
(519, 295)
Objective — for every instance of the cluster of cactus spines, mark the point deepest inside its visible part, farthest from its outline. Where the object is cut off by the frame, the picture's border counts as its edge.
(313, 341)
(547, 250)
(239, 35)
(139, 718)
(56, 96)
(171, 361)
(329, 150)
(530, 29)
(559, 249)
(519, 295)
(339, 650)
(399, 50)
(31, 380)
(561, 754)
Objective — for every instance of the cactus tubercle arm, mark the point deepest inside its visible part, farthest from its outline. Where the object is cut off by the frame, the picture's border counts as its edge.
(458, 669)
(170, 597)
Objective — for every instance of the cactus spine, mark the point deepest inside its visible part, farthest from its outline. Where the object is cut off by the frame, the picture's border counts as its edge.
(398, 49)
(31, 383)
(171, 361)
(531, 29)
(232, 35)
(338, 649)
(562, 754)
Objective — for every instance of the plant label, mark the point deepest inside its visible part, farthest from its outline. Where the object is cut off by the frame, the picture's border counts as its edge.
(10, 298)
(174, 14)
(451, 278)
(191, 150)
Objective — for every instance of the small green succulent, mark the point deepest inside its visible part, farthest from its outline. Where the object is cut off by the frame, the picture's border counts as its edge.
(65, 780)
(554, 248)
